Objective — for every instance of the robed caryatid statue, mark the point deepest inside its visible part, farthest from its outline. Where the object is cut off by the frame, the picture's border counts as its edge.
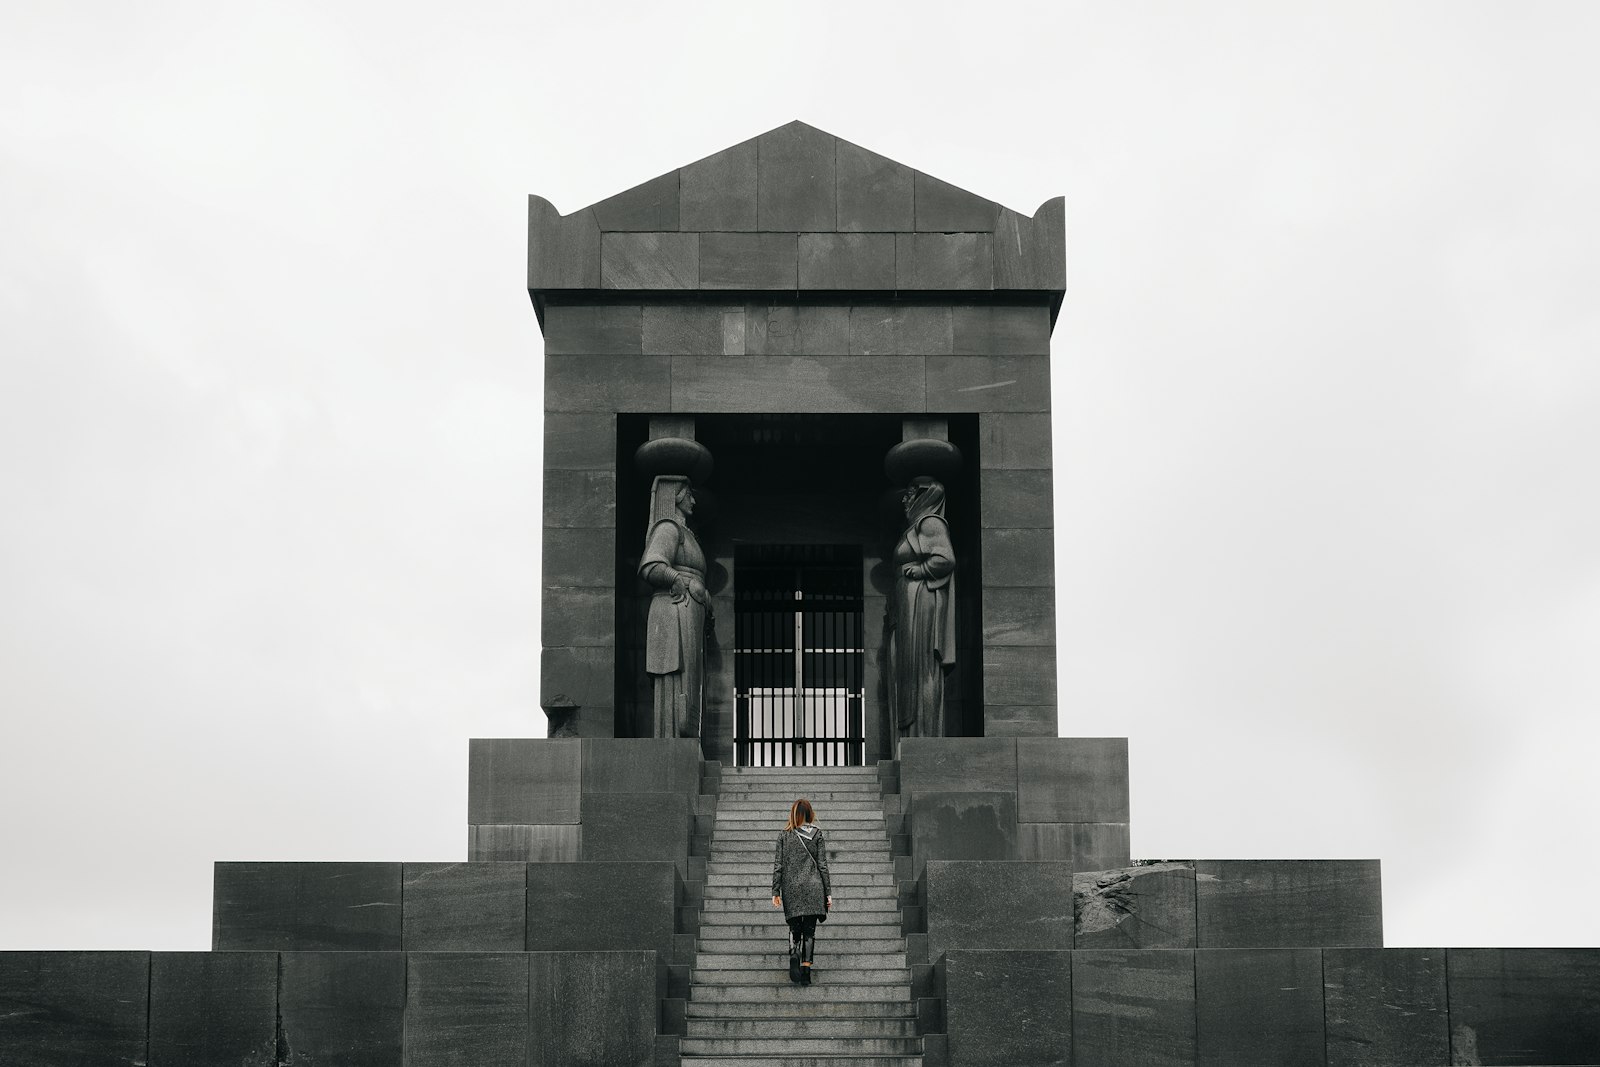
(675, 567)
(922, 631)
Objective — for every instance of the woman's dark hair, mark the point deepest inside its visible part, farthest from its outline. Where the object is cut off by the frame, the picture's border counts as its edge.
(800, 813)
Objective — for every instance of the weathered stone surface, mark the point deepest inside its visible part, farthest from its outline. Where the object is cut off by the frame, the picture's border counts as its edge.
(606, 383)
(524, 780)
(798, 384)
(989, 383)
(1014, 675)
(346, 1008)
(903, 329)
(583, 557)
(1002, 330)
(563, 252)
(1014, 556)
(944, 260)
(579, 618)
(946, 208)
(1020, 720)
(649, 260)
(1088, 846)
(577, 677)
(464, 907)
(961, 826)
(1015, 500)
(1032, 253)
(1385, 1007)
(798, 330)
(650, 206)
(1014, 440)
(211, 1007)
(1008, 1008)
(748, 261)
(958, 764)
(66, 1009)
(1259, 1007)
(522, 843)
(467, 1008)
(872, 192)
(641, 765)
(1287, 903)
(1072, 779)
(586, 499)
(686, 329)
(586, 441)
(794, 179)
(719, 191)
(998, 904)
(347, 906)
(637, 826)
(1524, 1005)
(610, 906)
(1132, 1008)
(1135, 907)
(593, 330)
(847, 261)
(1015, 615)
(593, 1008)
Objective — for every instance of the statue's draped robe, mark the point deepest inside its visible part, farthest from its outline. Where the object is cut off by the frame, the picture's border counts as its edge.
(674, 654)
(922, 644)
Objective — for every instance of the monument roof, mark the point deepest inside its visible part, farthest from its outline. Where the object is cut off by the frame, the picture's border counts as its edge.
(797, 210)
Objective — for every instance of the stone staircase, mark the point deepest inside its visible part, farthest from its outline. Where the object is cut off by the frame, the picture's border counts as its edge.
(742, 1009)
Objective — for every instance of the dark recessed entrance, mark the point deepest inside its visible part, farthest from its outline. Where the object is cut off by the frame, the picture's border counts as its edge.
(799, 651)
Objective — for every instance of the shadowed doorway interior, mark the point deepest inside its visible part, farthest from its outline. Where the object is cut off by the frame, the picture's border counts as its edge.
(798, 656)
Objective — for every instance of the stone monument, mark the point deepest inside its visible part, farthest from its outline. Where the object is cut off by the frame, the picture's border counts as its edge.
(797, 542)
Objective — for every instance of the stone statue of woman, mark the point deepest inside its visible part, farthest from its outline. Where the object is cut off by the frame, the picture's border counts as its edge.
(922, 637)
(675, 566)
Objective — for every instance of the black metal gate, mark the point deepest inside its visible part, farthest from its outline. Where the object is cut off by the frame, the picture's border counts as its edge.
(798, 656)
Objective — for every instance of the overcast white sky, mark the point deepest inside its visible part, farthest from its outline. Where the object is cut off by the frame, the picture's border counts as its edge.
(1326, 384)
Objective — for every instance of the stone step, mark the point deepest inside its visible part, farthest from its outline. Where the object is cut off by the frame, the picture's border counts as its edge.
(728, 977)
(798, 1009)
(775, 957)
(800, 1046)
(827, 991)
(757, 813)
(758, 879)
(852, 864)
(741, 846)
(801, 1027)
(769, 836)
(762, 944)
(779, 802)
(740, 925)
(724, 899)
(800, 1061)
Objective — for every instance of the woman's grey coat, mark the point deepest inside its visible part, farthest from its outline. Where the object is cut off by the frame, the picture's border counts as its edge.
(802, 884)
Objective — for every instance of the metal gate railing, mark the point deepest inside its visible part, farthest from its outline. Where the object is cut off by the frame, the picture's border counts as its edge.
(798, 656)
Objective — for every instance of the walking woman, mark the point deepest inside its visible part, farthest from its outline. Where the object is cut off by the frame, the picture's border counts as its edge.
(800, 886)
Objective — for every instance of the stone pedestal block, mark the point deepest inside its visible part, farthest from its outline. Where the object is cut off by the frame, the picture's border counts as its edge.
(1385, 1007)
(464, 907)
(593, 1008)
(521, 843)
(1133, 1008)
(467, 1008)
(306, 906)
(67, 1009)
(524, 781)
(214, 1007)
(1009, 1008)
(1072, 779)
(637, 826)
(1088, 846)
(1524, 1005)
(1287, 903)
(346, 1008)
(958, 764)
(1150, 907)
(1259, 1007)
(641, 765)
(989, 904)
(602, 906)
(961, 826)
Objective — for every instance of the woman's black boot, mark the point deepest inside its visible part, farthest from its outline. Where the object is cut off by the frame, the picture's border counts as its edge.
(794, 959)
(807, 947)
